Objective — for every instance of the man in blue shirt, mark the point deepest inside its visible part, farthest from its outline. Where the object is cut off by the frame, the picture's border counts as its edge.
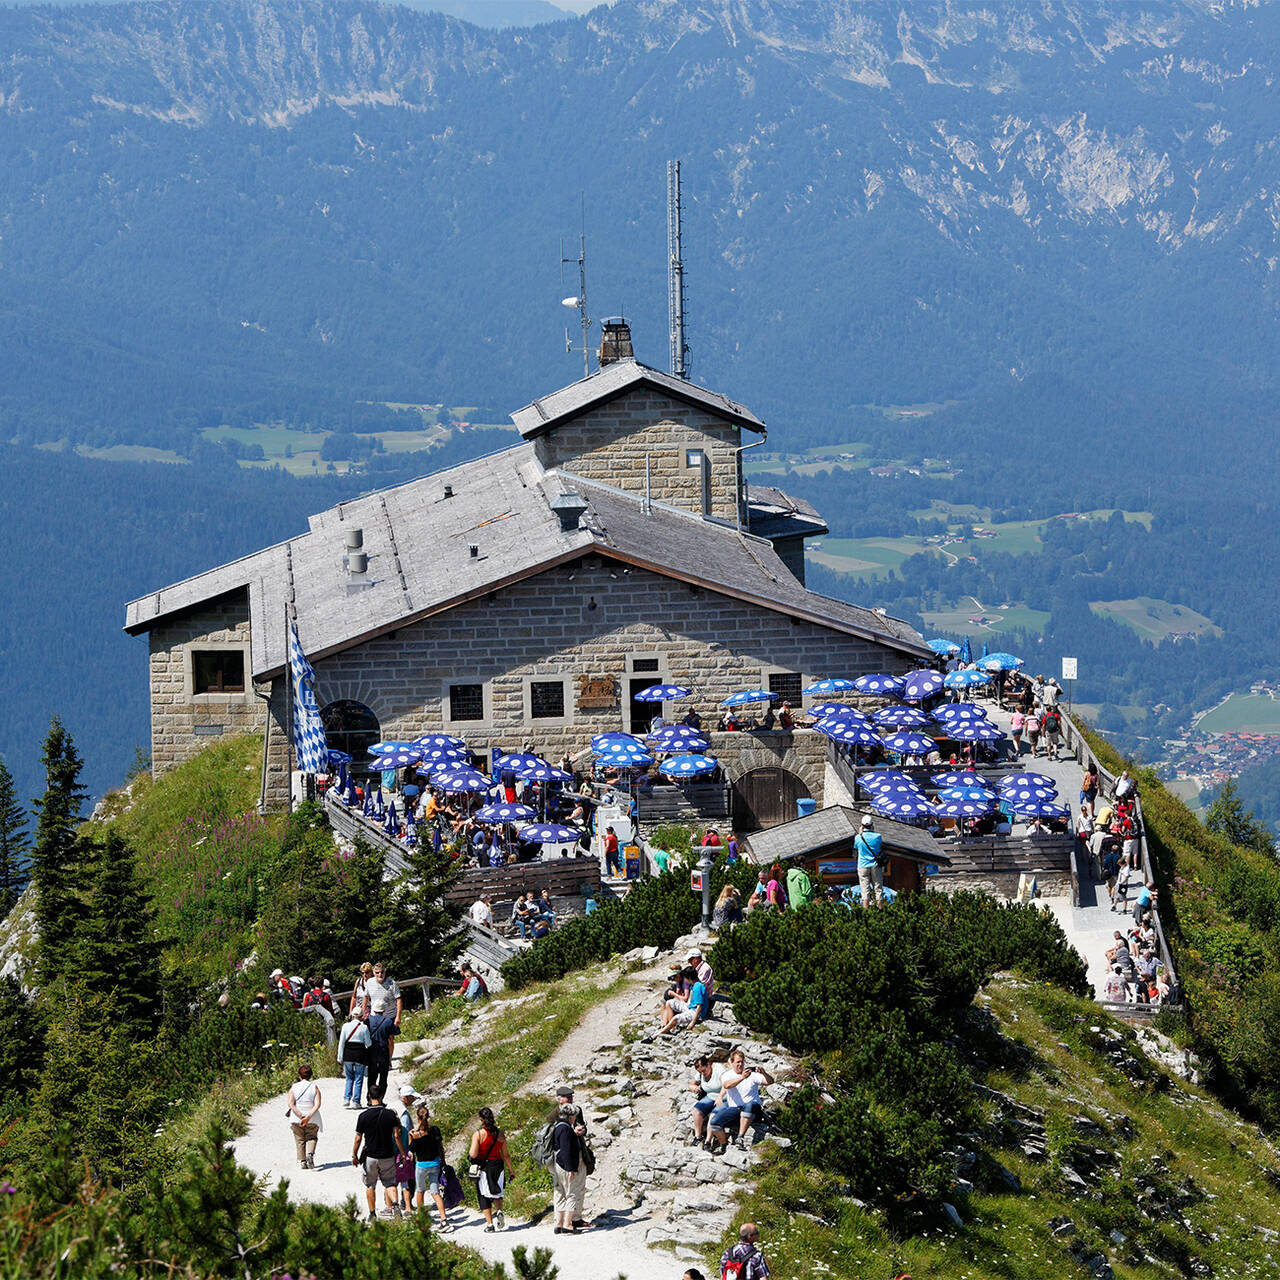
(870, 849)
(1144, 904)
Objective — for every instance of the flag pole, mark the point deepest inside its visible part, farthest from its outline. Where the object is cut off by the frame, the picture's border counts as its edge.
(288, 667)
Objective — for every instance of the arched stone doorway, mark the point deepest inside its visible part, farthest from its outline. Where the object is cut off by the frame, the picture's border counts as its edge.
(766, 797)
(351, 727)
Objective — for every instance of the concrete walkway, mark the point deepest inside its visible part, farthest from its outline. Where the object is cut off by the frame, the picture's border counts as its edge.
(1091, 926)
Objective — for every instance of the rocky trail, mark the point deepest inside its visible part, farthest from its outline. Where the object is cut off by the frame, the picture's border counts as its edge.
(656, 1202)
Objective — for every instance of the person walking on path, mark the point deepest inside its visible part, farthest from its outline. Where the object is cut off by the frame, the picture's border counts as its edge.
(1032, 728)
(744, 1261)
(405, 1171)
(304, 1112)
(427, 1148)
(378, 1129)
(491, 1163)
(382, 1033)
(1016, 726)
(361, 989)
(611, 852)
(569, 1169)
(1089, 788)
(870, 849)
(353, 1054)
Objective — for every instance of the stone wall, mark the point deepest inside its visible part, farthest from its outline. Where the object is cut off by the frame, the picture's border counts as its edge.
(612, 443)
(181, 721)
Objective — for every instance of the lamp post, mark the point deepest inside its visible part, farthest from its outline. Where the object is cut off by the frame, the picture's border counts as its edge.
(704, 866)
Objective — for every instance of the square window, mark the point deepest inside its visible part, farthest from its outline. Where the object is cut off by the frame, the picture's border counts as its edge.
(693, 457)
(217, 671)
(466, 702)
(546, 699)
(786, 686)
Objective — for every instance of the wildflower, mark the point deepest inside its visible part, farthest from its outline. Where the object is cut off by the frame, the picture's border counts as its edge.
(8, 1189)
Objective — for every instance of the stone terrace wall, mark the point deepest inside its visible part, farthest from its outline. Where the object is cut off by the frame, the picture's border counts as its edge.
(611, 444)
(181, 722)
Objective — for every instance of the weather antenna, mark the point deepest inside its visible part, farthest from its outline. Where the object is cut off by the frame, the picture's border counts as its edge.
(675, 275)
(580, 302)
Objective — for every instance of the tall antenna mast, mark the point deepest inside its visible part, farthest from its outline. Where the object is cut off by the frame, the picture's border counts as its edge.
(675, 274)
(581, 300)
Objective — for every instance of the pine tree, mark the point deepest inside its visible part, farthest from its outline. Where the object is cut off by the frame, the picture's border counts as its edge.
(1227, 817)
(115, 950)
(13, 843)
(55, 855)
(417, 932)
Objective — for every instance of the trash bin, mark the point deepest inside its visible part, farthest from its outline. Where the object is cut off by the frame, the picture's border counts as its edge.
(631, 861)
(805, 807)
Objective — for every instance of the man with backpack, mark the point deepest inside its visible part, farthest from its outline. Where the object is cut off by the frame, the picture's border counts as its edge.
(870, 850)
(744, 1261)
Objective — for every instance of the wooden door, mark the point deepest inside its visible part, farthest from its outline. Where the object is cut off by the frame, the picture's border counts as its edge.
(766, 798)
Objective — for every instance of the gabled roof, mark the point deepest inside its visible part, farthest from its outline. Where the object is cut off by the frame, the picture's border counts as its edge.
(420, 562)
(774, 514)
(615, 380)
(837, 826)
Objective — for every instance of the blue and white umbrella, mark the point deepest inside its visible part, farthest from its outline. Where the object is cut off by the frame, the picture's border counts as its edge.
(959, 711)
(966, 653)
(884, 779)
(543, 772)
(663, 693)
(695, 746)
(1014, 796)
(848, 732)
(958, 778)
(432, 756)
(390, 745)
(688, 766)
(603, 739)
(400, 758)
(1040, 809)
(901, 718)
(510, 763)
(966, 679)
(853, 893)
(618, 753)
(505, 813)
(337, 757)
(981, 795)
(838, 711)
(1026, 779)
(391, 825)
(820, 710)
(460, 781)
(910, 744)
(963, 808)
(674, 733)
(973, 731)
(999, 662)
(894, 804)
(879, 683)
(438, 740)
(833, 684)
(947, 647)
(549, 833)
(920, 685)
(745, 696)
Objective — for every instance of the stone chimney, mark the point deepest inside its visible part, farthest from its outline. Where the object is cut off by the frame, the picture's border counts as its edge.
(615, 341)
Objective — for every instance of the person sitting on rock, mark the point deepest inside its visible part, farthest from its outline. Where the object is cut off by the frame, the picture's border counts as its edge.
(684, 1015)
(728, 908)
(738, 1106)
(708, 1079)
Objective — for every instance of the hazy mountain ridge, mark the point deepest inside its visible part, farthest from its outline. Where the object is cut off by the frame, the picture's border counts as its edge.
(962, 194)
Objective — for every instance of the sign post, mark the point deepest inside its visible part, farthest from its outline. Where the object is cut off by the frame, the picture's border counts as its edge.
(700, 878)
(1069, 674)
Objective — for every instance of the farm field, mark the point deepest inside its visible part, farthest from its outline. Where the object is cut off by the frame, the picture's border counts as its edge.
(1156, 619)
(1243, 713)
(864, 557)
(1007, 618)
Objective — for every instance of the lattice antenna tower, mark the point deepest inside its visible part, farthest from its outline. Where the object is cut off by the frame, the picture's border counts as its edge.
(580, 302)
(675, 275)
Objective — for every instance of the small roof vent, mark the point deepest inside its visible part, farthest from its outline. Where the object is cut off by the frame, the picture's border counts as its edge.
(570, 507)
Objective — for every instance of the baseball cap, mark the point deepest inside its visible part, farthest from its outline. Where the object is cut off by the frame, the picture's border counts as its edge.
(277, 973)
(866, 819)
(564, 1091)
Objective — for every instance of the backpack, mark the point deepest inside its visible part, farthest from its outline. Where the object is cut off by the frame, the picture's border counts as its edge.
(484, 986)
(543, 1150)
(733, 1268)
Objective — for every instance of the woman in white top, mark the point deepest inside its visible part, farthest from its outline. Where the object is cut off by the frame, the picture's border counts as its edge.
(304, 1114)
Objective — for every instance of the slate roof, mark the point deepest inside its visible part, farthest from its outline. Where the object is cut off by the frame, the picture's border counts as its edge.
(614, 380)
(805, 837)
(418, 543)
(774, 514)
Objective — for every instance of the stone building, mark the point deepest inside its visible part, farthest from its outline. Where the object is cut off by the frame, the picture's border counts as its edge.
(526, 597)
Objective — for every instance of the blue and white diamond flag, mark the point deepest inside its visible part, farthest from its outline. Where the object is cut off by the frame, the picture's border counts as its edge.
(308, 731)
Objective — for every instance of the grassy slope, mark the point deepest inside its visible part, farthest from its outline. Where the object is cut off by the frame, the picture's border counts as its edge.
(1182, 1139)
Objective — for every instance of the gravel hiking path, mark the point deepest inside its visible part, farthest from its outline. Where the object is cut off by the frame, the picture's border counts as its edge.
(630, 1220)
